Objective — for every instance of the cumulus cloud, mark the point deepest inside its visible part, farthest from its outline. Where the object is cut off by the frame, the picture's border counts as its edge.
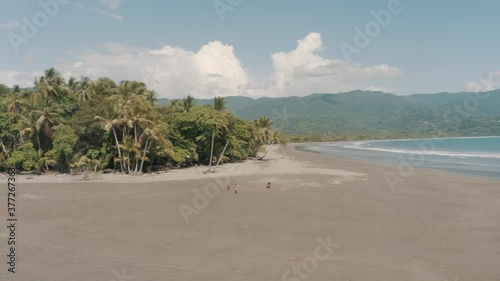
(214, 70)
(488, 82)
(303, 71)
(23, 79)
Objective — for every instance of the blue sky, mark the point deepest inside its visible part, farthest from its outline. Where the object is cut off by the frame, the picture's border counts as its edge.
(185, 47)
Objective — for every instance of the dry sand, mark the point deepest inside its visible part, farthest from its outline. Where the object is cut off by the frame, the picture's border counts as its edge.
(433, 226)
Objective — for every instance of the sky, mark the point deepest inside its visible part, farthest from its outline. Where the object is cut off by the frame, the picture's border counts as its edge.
(256, 48)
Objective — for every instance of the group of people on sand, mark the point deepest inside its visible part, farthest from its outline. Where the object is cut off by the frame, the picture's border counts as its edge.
(237, 189)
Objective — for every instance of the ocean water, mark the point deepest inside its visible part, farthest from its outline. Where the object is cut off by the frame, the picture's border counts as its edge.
(469, 156)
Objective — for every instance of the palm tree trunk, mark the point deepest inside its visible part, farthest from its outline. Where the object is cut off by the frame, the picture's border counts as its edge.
(144, 154)
(119, 151)
(39, 144)
(211, 152)
(136, 160)
(4, 149)
(136, 169)
(220, 157)
(135, 132)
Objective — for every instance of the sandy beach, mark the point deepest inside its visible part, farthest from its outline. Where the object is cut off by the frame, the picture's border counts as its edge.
(322, 219)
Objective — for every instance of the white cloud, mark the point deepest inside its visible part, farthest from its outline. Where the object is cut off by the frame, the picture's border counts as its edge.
(111, 4)
(378, 89)
(107, 8)
(214, 70)
(115, 16)
(23, 79)
(488, 82)
(10, 25)
(303, 71)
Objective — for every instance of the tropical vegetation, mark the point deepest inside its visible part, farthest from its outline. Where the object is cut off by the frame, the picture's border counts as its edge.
(64, 126)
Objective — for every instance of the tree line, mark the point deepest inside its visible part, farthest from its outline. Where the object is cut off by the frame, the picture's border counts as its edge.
(61, 125)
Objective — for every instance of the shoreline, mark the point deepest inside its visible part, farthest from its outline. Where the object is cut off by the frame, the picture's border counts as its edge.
(407, 159)
(246, 167)
(186, 226)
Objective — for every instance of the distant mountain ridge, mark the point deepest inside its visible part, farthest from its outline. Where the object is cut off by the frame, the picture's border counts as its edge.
(466, 114)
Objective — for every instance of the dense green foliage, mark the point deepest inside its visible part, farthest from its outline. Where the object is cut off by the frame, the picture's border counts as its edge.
(358, 114)
(96, 125)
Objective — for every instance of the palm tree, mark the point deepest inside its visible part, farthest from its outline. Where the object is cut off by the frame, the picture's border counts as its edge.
(15, 105)
(49, 85)
(188, 103)
(263, 133)
(175, 106)
(131, 150)
(125, 97)
(104, 87)
(215, 121)
(127, 94)
(137, 115)
(4, 153)
(39, 120)
(16, 95)
(219, 104)
(47, 160)
(49, 116)
(137, 118)
(109, 123)
(156, 131)
(150, 96)
(85, 90)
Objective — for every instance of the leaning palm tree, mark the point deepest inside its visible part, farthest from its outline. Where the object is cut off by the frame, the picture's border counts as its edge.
(154, 132)
(4, 153)
(215, 121)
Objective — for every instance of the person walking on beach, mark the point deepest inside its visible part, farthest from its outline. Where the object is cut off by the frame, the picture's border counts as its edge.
(268, 185)
(237, 190)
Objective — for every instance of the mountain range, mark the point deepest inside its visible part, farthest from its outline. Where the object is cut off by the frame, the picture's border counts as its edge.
(366, 112)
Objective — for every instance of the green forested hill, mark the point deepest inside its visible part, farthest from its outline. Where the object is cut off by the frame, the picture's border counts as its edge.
(361, 112)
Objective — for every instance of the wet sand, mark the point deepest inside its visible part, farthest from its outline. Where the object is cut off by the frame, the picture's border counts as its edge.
(322, 219)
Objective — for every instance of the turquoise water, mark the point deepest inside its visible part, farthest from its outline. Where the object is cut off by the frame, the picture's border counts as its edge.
(470, 156)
